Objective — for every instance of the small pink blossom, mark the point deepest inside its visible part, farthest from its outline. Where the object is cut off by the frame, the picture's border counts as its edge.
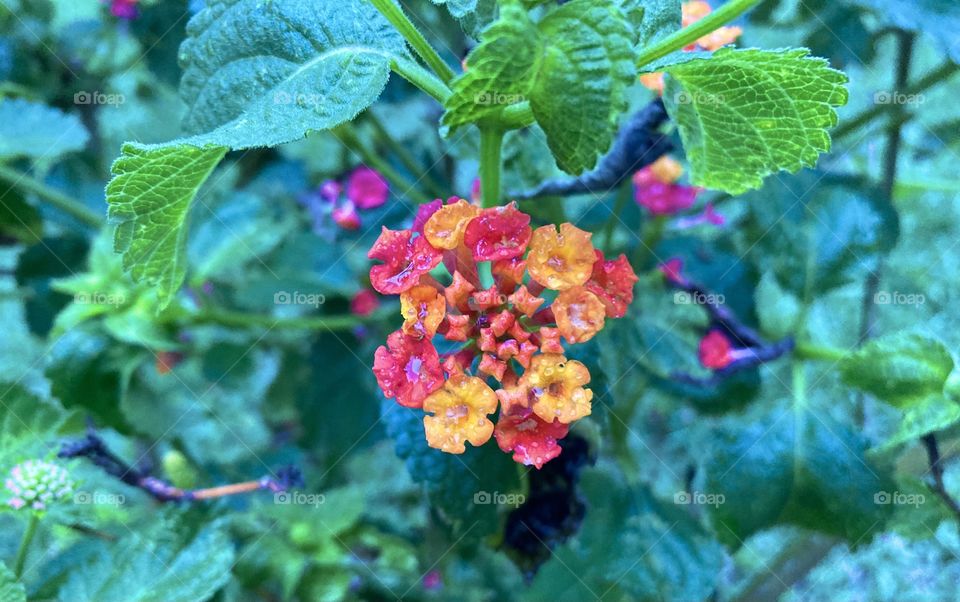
(346, 216)
(367, 188)
(124, 9)
(709, 216)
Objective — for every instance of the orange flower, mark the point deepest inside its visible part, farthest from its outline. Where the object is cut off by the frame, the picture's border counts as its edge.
(423, 309)
(561, 260)
(524, 301)
(556, 386)
(653, 81)
(444, 229)
(696, 10)
(460, 412)
(579, 314)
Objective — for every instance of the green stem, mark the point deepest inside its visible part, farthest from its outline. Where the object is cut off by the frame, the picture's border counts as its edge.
(693, 32)
(653, 233)
(855, 123)
(809, 351)
(242, 319)
(421, 78)
(491, 144)
(348, 135)
(623, 197)
(405, 157)
(517, 116)
(25, 542)
(412, 35)
(52, 196)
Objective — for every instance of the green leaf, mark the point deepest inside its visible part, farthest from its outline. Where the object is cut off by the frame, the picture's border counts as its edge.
(548, 64)
(630, 547)
(29, 425)
(142, 569)
(794, 466)
(36, 131)
(746, 114)
(265, 73)
(928, 415)
(149, 197)
(660, 19)
(777, 309)
(11, 590)
(900, 369)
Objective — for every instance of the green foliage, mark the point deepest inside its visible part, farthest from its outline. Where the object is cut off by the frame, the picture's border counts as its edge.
(938, 19)
(38, 132)
(812, 472)
(655, 552)
(11, 590)
(142, 569)
(746, 114)
(18, 219)
(545, 64)
(150, 196)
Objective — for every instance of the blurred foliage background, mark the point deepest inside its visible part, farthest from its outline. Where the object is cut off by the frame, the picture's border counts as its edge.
(225, 385)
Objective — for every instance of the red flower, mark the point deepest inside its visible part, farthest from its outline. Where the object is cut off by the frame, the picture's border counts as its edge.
(715, 350)
(612, 281)
(367, 188)
(364, 303)
(408, 368)
(532, 440)
(498, 233)
(405, 259)
(672, 270)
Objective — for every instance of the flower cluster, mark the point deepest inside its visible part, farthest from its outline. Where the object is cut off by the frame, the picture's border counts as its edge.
(693, 12)
(657, 190)
(505, 331)
(365, 189)
(35, 484)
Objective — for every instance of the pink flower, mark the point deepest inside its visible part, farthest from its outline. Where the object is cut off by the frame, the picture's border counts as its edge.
(672, 269)
(330, 190)
(709, 216)
(716, 352)
(124, 9)
(367, 188)
(425, 212)
(364, 303)
(346, 216)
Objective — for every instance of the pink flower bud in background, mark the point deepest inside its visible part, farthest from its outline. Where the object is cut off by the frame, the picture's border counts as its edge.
(367, 188)
(346, 216)
(364, 303)
(124, 9)
(330, 190)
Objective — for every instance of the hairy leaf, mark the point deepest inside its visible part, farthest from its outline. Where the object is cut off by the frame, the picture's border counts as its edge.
(145, 570)
(265, 73)
(34, 130)
(746, 114)
(660, 18)
(29, 425)
(149, 198)
(795, 466)
(11, 590)
(899, 369)
(573, 67)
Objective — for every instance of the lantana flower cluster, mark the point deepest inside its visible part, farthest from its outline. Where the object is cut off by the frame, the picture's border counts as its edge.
(510, 351)
(36, 484)
(657, 188)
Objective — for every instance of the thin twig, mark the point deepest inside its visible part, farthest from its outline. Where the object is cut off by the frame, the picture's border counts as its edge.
(936, 470)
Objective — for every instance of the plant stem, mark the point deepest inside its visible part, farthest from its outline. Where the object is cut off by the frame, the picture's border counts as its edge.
(934, 77)
(693, 32)
(808, 351)
(52, 196)
(936, 469)
(491, 144)
(405, 157)
(412, 35)
(623, 197)
(517, 116)
(653, 230)
(237, 318)
(347, 134)
(421, 78)
(25, 542)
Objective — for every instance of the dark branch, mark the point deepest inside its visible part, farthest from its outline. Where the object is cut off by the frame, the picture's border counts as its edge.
(638, 144)
(936, 470)
(93, 447)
